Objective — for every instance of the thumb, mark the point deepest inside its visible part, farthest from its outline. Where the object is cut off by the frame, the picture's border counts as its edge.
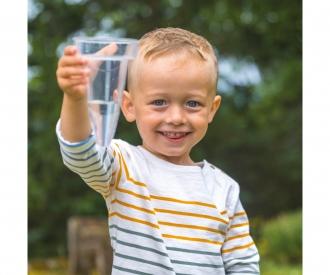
(108, 50)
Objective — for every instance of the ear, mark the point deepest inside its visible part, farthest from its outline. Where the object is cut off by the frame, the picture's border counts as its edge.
(214, 107)
(127, 107)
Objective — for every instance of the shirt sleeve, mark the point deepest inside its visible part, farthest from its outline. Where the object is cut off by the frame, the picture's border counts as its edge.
(239, 253)
(93, 163)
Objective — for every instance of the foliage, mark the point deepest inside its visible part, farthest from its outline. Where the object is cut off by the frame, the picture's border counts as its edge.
(60, 267)
(271, 268)
(281, 238)
(255, 138)
(259, 143)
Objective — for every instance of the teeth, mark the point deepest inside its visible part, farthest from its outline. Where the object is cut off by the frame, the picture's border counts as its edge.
(174, 134)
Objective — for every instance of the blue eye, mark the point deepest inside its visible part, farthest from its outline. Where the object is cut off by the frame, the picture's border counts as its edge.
(159, 102)
(192, 104)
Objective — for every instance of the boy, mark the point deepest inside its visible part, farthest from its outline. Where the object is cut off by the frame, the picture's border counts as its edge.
(167, 213)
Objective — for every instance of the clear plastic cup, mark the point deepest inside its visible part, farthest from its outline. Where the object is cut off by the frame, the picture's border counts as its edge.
(108, 59)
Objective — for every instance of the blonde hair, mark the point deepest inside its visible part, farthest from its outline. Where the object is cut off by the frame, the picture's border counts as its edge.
(163, 41)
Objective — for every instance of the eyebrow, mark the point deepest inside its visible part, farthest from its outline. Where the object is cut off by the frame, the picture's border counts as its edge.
(156, 94)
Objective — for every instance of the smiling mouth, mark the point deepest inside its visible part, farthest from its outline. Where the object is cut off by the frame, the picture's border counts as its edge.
(174, 135)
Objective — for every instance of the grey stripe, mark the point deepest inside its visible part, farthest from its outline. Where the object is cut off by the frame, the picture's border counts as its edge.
(136, 233)
(243, 271)
(80, 152)
(77, 144)
(130, 270)
(193, 251)
(139, 247)
(97, 161)
(99, 180)
(108, 169)
(196, 264)
(96, 181)
(90, 171)
(104, 154)
(143, 261)
(104, 193)
(238, 264)
(75, 166)
(241, 258)
(80, 159)
(231, 269)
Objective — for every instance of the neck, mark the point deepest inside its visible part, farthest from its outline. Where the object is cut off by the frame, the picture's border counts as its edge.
(178, 160)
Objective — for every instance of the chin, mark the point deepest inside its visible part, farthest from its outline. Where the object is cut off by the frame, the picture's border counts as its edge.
(173, 153)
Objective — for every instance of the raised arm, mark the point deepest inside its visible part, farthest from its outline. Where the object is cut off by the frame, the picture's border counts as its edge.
(80, 153)
(73, 76)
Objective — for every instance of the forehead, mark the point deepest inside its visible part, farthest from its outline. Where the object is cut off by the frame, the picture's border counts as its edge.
(178, 69)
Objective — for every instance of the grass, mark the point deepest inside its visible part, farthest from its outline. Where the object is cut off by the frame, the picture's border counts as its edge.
(52, 266)
(270, 268)
(59, 266)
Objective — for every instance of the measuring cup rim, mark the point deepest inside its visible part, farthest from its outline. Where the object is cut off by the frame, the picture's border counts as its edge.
(105, 40)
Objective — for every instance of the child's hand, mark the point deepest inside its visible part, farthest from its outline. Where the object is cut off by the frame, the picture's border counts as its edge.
(73, 73)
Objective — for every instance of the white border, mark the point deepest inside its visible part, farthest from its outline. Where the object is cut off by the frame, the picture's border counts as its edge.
(316, 137)
(13, 107)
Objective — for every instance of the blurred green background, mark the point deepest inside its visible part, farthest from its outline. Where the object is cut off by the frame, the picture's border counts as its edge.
(256, 136)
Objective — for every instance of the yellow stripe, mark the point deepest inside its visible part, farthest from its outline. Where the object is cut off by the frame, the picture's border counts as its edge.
(132, 193)
(153, 196)
(113, 182)
(243, 213)
(238, 237)
(133, 219)
(239, 225)
(223, 212)
(191, 239)
(193, 227)
(237, 248)
(119, 173)
(190, 214)
(182, 201)
(133, 206)
(239, 214)
(125, 190)
(128, 175)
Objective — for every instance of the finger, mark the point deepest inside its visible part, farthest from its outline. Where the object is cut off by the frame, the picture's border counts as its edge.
(66, 84)
(108, 50)
(79, 88)
(76, 60)
(78, 76)
(66, 72)
(115, 95)
(70, 50)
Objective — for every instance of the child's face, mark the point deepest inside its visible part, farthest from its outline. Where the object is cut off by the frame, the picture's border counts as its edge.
(172, 102)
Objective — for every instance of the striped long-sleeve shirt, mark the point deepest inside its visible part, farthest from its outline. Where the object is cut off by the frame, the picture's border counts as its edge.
(165, 218)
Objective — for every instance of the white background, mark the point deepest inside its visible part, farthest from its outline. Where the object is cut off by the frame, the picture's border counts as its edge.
(316, 137)
(13, 134)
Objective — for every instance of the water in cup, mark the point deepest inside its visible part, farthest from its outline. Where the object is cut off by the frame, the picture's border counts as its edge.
(104, 116)
(108, 61)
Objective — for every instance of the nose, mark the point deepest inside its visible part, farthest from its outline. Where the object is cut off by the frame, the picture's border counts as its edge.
(175, 115)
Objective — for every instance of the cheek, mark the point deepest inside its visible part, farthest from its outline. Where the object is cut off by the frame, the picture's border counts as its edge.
(200, 119)
(147, 117)
(146, 122)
